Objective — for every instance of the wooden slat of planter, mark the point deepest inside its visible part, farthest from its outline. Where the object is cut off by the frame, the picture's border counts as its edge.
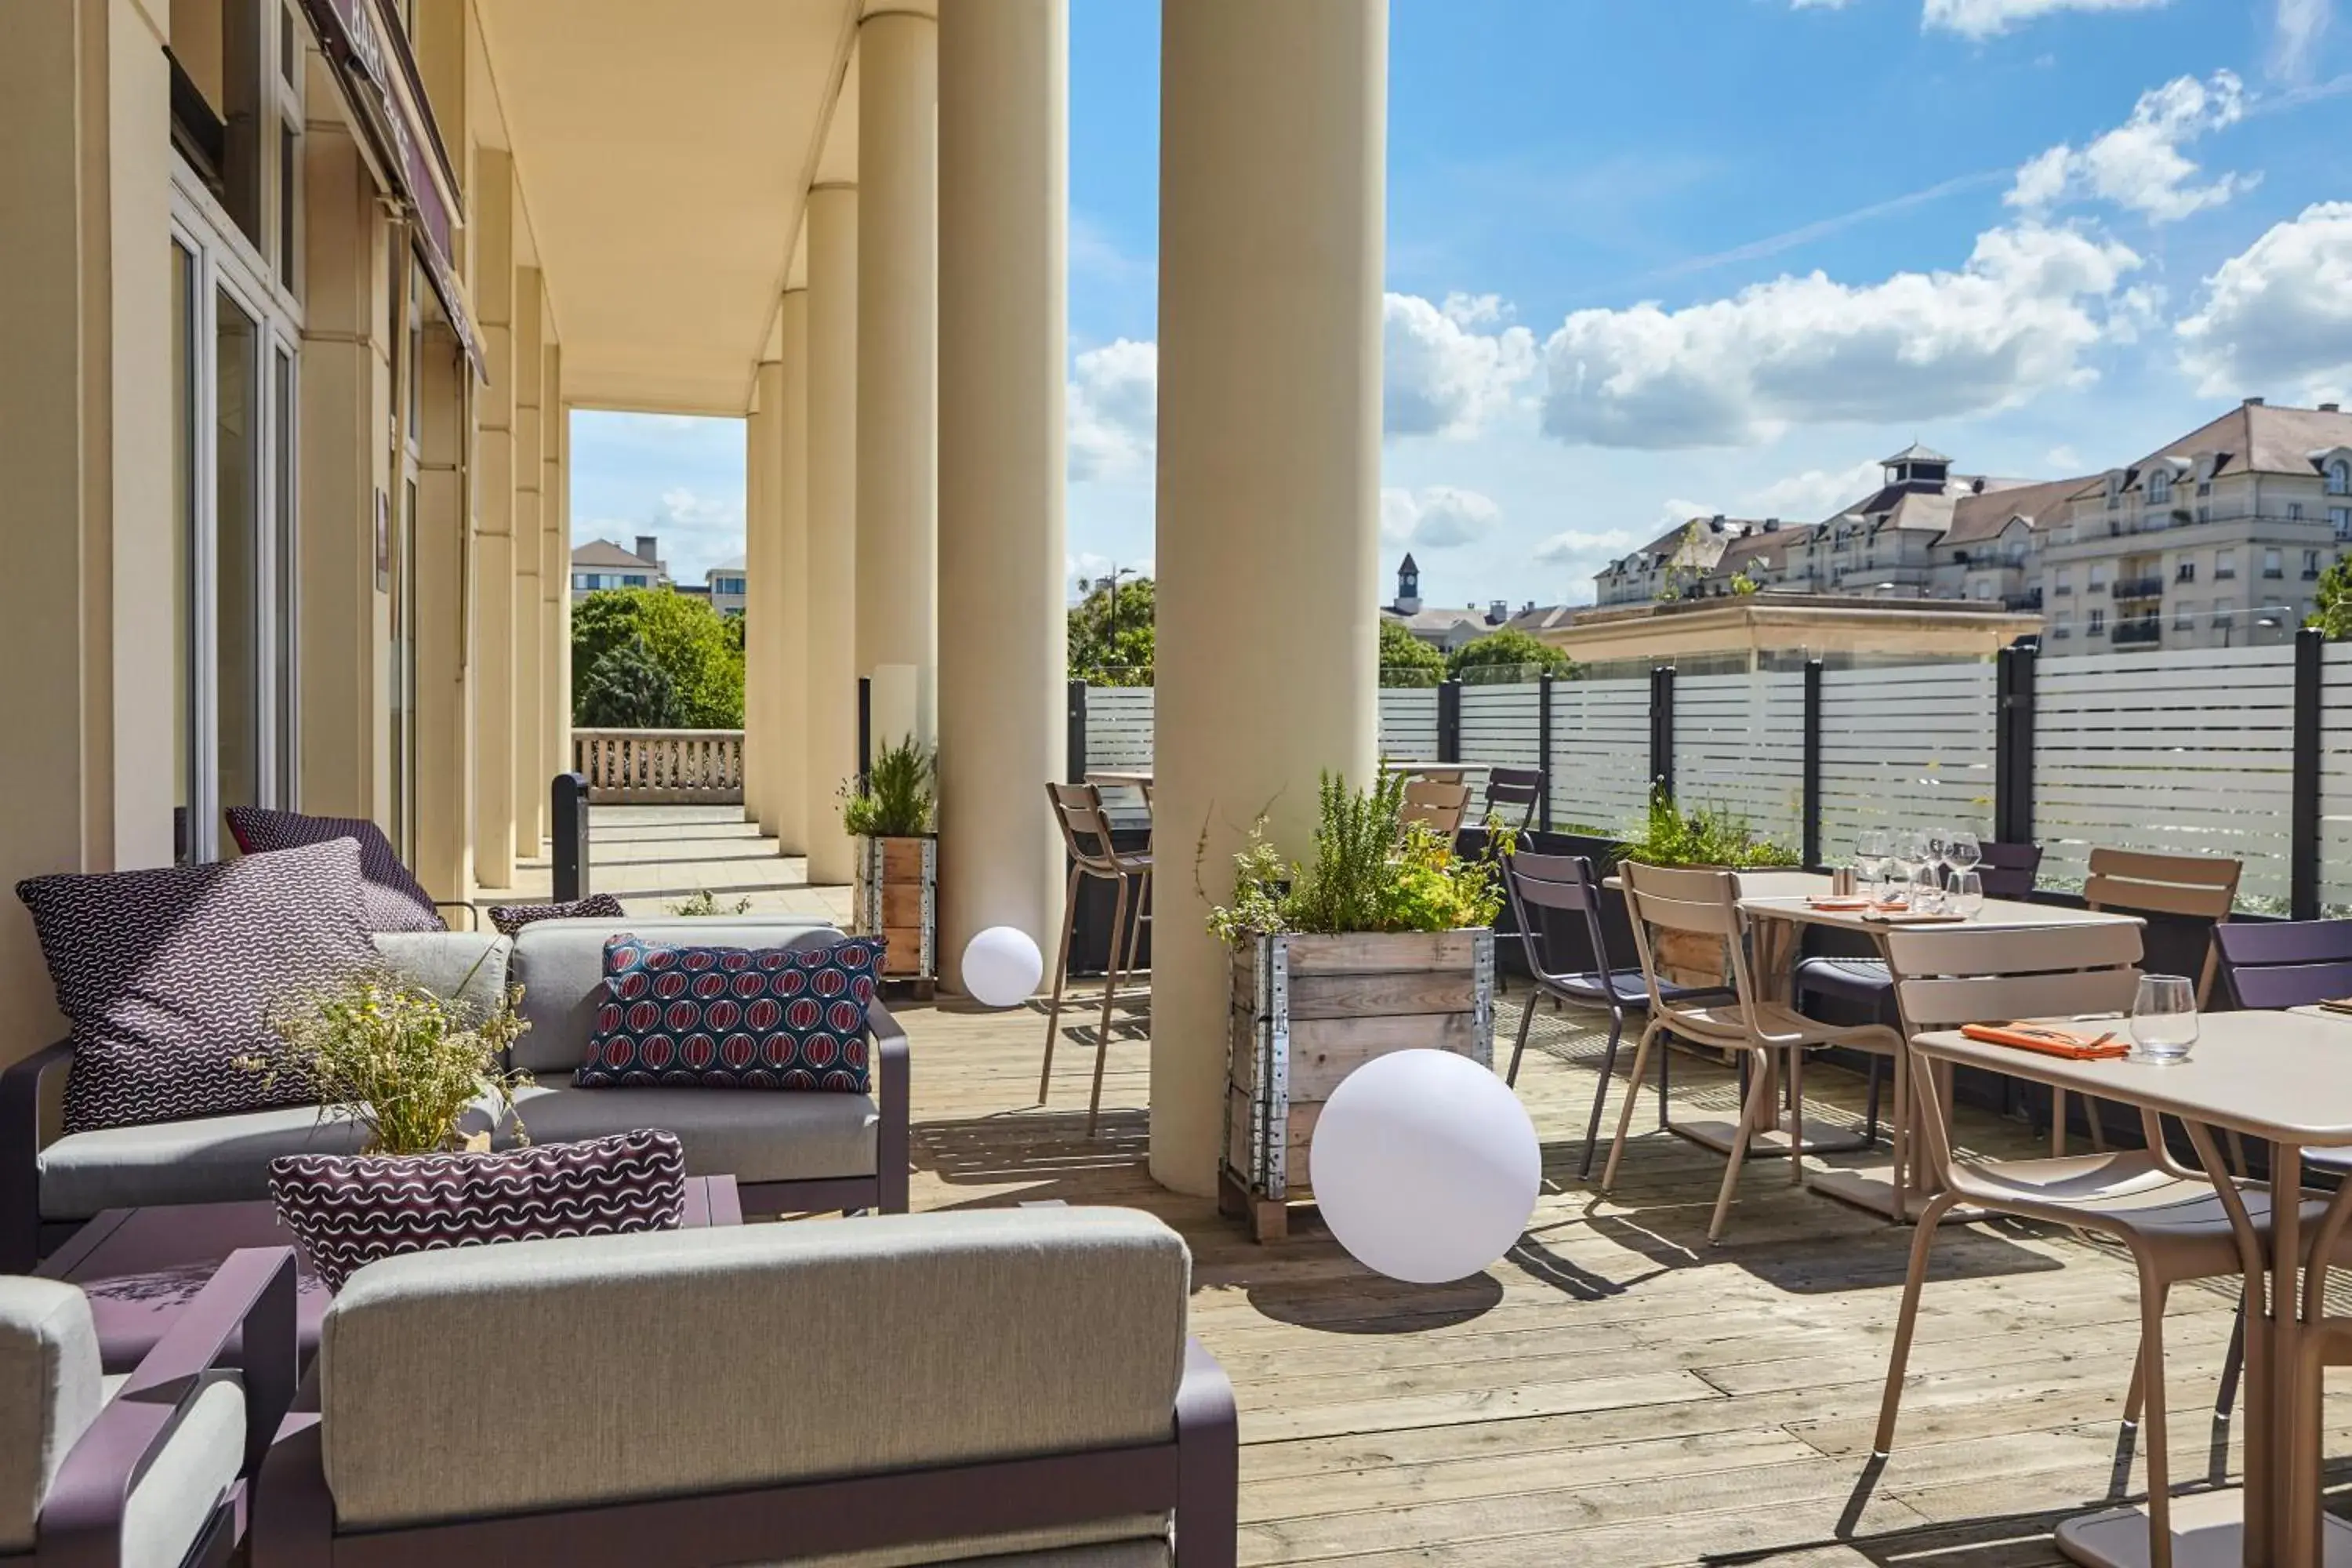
(902, 860)
(1323, 1051)
(905, 951)
(1369, 995)
(1382, 953)
(902, 905)
(1302, 1136)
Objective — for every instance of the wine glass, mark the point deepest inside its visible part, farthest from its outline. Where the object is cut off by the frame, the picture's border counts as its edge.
(1927, 889)
(1903, 859)
(1933, 842)
(1962, 851)
(1870, 851)
(1966, 894)
(2163, 1018)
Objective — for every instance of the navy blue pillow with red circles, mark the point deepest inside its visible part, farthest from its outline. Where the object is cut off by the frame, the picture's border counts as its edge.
(732, 1017)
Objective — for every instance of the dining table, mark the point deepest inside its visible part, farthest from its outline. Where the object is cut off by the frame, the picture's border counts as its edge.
(1779, 909)
(2278, 1077)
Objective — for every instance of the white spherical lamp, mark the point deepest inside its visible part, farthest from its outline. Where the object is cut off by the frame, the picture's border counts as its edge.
(1426, 1166)
(1002, 967)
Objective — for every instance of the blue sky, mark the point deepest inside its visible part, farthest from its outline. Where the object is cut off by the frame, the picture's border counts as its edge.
(1647, 260)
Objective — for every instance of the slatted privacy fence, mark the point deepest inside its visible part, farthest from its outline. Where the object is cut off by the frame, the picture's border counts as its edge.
(2335, 780)
(1119, 735)
(2176, 753)
(1501, 726)
(1409, 722)
(1904, 746)
(1740, 744)
(1600, 763)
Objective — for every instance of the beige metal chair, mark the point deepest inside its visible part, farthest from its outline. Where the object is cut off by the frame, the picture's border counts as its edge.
(1707, 903)
(1086, 833)
(2172, 1221)
(2133, 882)
(1438, 805)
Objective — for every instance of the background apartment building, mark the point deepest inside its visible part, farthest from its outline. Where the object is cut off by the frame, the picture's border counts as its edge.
(600, 564)
(2250, 509)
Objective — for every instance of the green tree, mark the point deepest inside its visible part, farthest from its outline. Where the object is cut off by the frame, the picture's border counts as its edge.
(629, 689)
(1506, 655)
(697, 650)
(2332, 612)
(1111, 635)
(1405, 659)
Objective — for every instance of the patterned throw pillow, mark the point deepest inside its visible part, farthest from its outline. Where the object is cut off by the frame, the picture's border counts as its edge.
(512, 918)
(395, 901)
(168, 976)
(348, 1210)
(732, 1017)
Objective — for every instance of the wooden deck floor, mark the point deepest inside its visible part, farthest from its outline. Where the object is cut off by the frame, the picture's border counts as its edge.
(1616, 1392)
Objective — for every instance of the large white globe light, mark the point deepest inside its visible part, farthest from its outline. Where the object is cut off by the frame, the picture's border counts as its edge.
(1002, 967)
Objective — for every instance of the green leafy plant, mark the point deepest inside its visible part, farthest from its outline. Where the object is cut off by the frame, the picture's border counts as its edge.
(698, 650)
(629, 689)
(895, 799)
(1506, 655)
(404, 1061)
(1406, 660)
(1112, 635)
(1371, 872)
(1705, 836)
(702, 903)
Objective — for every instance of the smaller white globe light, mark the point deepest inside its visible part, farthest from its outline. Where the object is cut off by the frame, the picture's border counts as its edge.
(1002, 967)
(1426, 1166)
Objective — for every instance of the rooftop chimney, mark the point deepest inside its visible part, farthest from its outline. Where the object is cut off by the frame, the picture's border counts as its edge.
(1498, 612)
(2331, 408)
(2253, 403)
(649, 549)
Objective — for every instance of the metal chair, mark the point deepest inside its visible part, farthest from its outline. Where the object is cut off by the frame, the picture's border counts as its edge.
(1674, 899)
(1438, 806)
(2289, 964)
(2007, 871)
(2173, 1221)
(1510, 790)
(1539, 885)
(1086, 834)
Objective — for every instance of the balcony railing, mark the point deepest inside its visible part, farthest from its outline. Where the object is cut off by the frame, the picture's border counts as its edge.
(2149, 587)
(2026, 601)
(2140, 632)
(661, 767)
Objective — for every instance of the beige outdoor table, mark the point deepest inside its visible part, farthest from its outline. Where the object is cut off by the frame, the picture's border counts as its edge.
(1777, 916)
(1119, 778)
(1140, 778)
(2275, 1076)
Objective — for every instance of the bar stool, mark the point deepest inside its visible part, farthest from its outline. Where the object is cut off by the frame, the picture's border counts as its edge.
(1086, 833)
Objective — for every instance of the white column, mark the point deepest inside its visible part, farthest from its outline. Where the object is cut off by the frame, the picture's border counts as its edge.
(529, 469)
(833, 566)
(897, 369)
(493, 640)
(555, 592)
(1002, 704)
(762, 523)
(785, 598)
(1270, 270)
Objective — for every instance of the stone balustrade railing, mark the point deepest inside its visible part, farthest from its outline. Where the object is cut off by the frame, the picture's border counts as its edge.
(661, 767)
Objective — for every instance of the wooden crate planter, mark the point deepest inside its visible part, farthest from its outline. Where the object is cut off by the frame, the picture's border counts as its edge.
(1309, 1010)
(897, 896)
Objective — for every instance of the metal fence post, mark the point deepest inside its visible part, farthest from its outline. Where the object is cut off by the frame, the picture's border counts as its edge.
(2012, 740)
(1449, 721)
(1812, 803)
(1662, 730)
(865, 727)
(2303, 841)
(1077, 741)
(1543, 752)
(570, 830)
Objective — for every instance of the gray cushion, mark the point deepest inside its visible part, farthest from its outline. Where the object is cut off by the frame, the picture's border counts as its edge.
(175, 1498)
(957, 1336)
(560, 965)
(210, 1159)
(744, 1134)
(469, 966)
(50, 1367)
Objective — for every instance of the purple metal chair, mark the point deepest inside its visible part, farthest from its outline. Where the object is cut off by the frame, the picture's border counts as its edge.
(1513, 794)
(1540, 885)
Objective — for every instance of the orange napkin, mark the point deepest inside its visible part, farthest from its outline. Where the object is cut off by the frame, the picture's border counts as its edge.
(1826, 902)
(2337, 1004)
(1912, 918)
(2050, 1041)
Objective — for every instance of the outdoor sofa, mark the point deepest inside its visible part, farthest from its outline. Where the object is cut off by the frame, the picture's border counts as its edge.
(789, 1152)
(1011, 1385)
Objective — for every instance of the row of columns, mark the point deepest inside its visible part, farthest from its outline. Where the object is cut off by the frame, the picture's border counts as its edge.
(912, 463)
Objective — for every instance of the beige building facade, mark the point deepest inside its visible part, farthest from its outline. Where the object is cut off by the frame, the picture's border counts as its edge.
(305, 291)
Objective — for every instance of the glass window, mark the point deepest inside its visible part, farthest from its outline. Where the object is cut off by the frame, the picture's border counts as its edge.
(2160, 487)
(2339, 521)
(2339, 478)
(285, 556)
(2311, 564)
(2294, 511)
(2272, 566)
(2098, 576)
(236, 555)
(2184, 614)
(2225, 563)
(184, 401)
(2098, 623)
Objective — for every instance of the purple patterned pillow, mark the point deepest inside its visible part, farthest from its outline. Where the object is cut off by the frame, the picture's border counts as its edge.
(512, 918)
(732, 1017)
(169, 975)
(395, 901)
(348, 1210)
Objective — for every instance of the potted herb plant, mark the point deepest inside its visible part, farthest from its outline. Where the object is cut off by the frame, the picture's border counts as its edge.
(892, 812)
(1385, 942)
(1706, 836)
(405, 1062)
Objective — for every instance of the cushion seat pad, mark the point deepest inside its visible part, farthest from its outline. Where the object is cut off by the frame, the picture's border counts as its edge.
(751, 1136)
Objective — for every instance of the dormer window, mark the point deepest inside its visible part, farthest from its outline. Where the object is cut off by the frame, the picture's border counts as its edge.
(2339, 477)
(2159, 487)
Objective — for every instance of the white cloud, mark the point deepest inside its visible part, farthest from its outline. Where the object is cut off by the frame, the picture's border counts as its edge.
(1592, 548)
(1113, 417)
(1447, 368)
(1816, 493)
(2139, 164)
(1818, 5)
(2017, 319)
(2063, 459)
(1983, 18)
(694, 531)
(2294, 36)
(1674, 511)
(2278, 316)
(1436, 517)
